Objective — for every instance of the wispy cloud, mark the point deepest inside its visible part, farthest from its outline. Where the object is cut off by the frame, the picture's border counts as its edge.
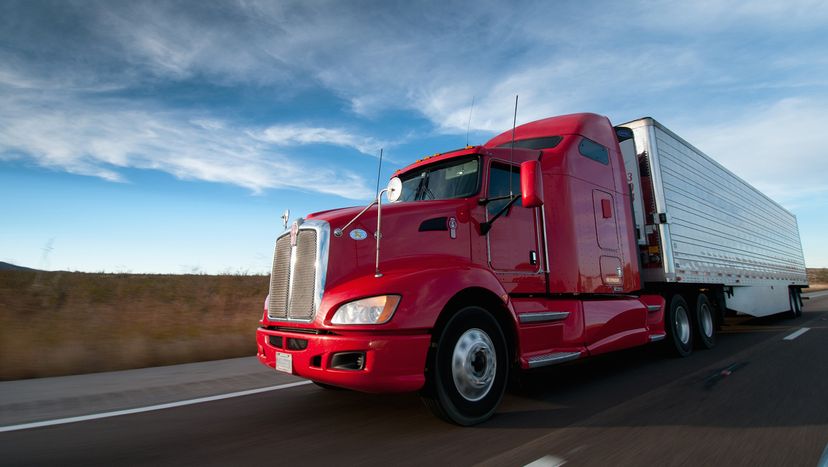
(779, 148)
(678, 58)
(102, 138)
(291, 135)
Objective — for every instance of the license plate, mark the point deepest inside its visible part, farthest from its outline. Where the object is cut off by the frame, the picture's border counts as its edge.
(284, 362)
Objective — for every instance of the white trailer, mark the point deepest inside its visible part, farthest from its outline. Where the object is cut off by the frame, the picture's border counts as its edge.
(699, 224)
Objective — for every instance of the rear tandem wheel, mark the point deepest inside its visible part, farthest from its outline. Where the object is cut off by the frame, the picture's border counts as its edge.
(679, 340)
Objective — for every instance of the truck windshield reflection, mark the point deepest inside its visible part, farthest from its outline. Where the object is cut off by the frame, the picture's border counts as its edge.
(458, 178)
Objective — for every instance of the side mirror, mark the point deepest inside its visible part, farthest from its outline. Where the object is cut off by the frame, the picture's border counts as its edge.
(531, 184)
(394, 189)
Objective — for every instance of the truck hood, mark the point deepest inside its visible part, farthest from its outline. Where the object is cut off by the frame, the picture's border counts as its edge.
(410, 231)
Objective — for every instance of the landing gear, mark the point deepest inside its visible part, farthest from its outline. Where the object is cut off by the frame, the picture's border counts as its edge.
(796, 303)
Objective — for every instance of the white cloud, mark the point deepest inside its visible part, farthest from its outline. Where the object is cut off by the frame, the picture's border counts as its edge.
(779, 148)
(290, 135)
(625, 60)
(100, 139)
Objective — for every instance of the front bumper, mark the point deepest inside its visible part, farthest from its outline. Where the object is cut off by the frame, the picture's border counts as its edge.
(392, 362)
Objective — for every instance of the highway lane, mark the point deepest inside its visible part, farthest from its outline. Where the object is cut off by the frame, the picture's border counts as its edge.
(754, 399)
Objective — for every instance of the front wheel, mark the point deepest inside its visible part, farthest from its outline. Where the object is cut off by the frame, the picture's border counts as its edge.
(468, 370)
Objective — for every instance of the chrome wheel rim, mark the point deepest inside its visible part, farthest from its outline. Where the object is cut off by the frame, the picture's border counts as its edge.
(706, 319)
(682, 325)
(473, 364)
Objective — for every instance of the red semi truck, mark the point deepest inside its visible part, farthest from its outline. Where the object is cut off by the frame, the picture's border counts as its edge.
(564, 238)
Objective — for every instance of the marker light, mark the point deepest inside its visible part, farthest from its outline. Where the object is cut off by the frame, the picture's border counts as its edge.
(372, 310)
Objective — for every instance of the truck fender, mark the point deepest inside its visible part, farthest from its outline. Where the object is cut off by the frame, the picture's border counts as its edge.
(426, 291)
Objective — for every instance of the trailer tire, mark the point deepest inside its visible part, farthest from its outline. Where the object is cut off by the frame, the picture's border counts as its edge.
(704, 323)
(679, 340)
(468, 368)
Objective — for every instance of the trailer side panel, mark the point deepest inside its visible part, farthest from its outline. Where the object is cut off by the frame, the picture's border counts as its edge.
(719, 229)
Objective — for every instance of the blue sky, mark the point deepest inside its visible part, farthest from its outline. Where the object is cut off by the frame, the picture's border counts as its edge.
(169, 136)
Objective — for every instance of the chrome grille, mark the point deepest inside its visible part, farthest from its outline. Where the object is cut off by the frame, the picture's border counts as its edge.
(280, 279)
(298, 276)
(304, 275)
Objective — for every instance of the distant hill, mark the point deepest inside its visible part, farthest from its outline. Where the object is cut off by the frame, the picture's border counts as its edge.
(13, 267)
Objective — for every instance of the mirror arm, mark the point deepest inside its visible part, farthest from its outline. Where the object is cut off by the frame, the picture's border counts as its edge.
(338, 231)
(485, 227)
(377, 272)
(485, 201)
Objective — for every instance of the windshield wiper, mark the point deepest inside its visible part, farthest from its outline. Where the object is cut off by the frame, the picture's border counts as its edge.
(422, 188)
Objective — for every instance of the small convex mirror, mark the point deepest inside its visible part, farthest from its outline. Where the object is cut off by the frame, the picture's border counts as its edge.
(394, 189)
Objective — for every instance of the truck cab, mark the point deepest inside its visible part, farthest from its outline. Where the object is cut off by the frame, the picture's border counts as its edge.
(512, 255)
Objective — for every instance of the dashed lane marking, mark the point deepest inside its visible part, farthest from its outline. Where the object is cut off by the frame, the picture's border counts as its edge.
(796, 334)
(823, 461)
(149, 408)
(547, 461)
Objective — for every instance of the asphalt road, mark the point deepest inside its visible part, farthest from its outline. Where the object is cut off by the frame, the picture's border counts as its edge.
(756, 399)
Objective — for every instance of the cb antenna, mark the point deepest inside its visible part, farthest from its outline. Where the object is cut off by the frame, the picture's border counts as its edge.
(468, 126)
(379, 170)
(512, 150)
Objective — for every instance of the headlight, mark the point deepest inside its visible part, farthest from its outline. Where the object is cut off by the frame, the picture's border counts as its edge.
(373, 310)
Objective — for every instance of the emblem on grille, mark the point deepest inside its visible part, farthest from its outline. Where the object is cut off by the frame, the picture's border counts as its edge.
(294, 231)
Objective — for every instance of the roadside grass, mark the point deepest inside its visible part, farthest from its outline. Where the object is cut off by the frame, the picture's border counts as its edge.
(817, 279)
(61, 323)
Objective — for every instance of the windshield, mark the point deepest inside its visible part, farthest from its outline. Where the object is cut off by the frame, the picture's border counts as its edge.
(457, 178)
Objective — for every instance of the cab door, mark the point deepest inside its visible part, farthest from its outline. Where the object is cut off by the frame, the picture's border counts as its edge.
(513, 242)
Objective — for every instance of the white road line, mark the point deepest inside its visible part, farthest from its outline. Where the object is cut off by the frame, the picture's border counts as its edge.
(823, 461)
(149, 408)
(796, 334)
(547, 461)
(816, 294)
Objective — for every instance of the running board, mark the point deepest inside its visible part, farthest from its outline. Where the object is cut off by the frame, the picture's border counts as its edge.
(542, 316)
(657, 337)
(552, 359)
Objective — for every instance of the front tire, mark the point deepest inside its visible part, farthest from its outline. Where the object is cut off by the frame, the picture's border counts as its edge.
(677, 324)
(468, 369)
